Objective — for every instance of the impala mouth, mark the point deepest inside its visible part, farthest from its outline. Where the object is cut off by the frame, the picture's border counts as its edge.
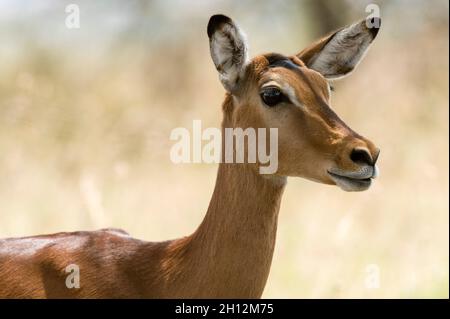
(352, 181)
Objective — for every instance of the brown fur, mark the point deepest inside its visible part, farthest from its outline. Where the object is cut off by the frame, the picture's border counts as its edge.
(230, 254)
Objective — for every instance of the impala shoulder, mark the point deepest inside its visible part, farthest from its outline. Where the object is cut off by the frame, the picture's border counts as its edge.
(115, 231)
(63, 241)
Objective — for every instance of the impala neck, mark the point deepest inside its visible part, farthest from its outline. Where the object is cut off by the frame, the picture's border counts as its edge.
(235, 242)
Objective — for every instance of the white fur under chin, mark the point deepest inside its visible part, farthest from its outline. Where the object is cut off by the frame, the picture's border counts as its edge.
(352, 186)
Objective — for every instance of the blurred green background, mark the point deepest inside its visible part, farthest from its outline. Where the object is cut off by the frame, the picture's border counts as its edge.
(85, 118)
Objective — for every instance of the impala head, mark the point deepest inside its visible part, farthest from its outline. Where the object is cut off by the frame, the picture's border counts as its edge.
(292, 93)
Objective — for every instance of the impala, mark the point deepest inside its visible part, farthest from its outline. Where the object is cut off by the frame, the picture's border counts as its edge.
(230, 253)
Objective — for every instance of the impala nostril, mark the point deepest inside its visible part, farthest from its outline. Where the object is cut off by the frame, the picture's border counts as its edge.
(361, 156)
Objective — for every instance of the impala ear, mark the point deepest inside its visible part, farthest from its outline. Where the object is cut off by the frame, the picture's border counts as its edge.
(228, 48)
(337, 54)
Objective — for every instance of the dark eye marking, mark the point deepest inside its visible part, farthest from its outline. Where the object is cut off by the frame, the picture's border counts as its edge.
(278, 60)
(271, 96)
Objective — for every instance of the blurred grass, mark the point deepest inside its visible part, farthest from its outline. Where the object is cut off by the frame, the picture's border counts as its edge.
(84, 144)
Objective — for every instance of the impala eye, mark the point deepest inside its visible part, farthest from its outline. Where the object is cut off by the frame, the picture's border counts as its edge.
(272, 96)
